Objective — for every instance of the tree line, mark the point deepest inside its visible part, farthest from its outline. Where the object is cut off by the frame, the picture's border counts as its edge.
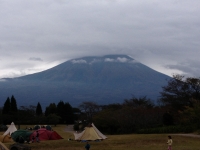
(53, 114)
(177, 110)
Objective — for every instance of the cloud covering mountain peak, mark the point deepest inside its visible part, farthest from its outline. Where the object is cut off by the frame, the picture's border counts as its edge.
(106, 58)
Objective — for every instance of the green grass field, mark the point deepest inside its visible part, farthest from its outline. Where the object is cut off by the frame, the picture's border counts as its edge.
(118, 142)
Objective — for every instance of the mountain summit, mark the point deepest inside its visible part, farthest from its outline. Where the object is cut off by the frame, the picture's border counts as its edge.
(106, 79)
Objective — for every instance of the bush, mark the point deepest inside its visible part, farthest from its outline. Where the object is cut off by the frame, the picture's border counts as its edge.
(3, 127)
(168, 129)
(76, 127)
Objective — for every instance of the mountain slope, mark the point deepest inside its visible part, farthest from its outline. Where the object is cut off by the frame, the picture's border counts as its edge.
(106, 79)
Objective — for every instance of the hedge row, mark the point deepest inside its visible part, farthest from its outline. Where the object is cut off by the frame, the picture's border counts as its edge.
(168, 129)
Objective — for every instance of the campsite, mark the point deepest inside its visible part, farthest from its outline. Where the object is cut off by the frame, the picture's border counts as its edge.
(114, 142)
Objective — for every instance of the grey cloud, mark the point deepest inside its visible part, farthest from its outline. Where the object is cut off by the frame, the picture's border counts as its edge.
(35, 59)
(152, 32)
(190, 69)
(2, 80)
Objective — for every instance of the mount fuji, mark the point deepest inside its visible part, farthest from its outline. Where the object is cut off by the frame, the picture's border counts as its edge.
(102, 79)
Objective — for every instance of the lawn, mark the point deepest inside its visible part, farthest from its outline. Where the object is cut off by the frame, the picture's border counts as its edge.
(118, 142)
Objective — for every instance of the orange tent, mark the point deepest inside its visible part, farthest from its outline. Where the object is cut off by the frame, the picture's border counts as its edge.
(6, 138)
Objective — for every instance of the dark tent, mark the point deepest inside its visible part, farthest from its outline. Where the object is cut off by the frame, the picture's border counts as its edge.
(36, 127)
(48, 127)
(25, 134)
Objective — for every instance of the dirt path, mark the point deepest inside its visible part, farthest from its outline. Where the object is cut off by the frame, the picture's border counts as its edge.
(189, 135)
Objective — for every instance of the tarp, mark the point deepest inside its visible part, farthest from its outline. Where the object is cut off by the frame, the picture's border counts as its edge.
(10, 129)
(5, 138)
(45, 134)
(23, 133)
(90, 134)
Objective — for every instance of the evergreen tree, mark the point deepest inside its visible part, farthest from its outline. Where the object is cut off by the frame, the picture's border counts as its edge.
(69, 112)
(13, 104)
(51, 109)
(38, 109)
(65, 111)
(6, 107)
(61, 111)
(53, 119)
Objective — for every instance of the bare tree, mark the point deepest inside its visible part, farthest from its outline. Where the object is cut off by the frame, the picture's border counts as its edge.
(180, 90)
(89, 108)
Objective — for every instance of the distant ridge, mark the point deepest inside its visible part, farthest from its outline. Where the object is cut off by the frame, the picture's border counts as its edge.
(106, 79)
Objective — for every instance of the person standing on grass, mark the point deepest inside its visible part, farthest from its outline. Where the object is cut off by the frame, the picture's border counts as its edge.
(37, 136)
(87, 146)
(169, 142)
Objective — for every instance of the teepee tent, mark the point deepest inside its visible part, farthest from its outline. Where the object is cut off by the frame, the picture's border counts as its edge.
(90, 134)
(10, 129)
(99, 133)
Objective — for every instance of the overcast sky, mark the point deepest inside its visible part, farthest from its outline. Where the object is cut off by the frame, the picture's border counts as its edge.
(39, 34)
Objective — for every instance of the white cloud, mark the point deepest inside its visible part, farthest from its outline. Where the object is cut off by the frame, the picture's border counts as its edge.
(79, 61)
(122, 59)
(119, 59)
(94, 61)
(23, 68)
(109, 60)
